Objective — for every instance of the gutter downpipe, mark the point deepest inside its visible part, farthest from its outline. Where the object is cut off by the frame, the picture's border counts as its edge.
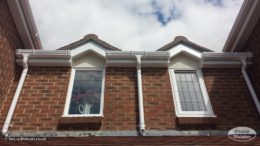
(16, 96)
(140, 95)
(249, 85)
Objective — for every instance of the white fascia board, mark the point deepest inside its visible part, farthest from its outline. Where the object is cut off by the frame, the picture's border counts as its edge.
(221, 64)
(184, 49)
(132, 63)
(20, 22)
(44, 57)
(131, 54)
(25, 24)
(224, 60)
(128, 59)
(243, 25)
(49, 62)
(90, 46)
(43, 53)
(227, 56)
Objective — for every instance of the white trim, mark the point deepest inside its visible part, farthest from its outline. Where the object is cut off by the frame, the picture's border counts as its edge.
(90, 46)
(128, 59)
(70, 88)
(176, 98)
(243, 26)
(102, 93)
(25, 23)
(224, 60)
(185, 49)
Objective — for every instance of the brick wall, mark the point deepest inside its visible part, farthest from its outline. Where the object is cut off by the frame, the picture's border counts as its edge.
(43, 96)
(121, 99)
(9, 42)
(253, 45)
(158, 102)
(230, 99)
(41, 101)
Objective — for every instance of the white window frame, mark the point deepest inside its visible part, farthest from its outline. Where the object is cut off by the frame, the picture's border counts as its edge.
(70, 88)
(179, 112)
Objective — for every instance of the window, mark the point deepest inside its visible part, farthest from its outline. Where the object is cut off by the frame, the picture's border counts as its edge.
(191, 98)
(85, 94)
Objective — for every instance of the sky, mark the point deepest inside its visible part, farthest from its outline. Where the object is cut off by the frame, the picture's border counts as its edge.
(135, 25)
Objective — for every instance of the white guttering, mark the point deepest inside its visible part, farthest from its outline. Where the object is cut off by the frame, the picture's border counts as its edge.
(249, 85)
(128, 59)
(243, 26)
(45, 57)
(140, 95)
(16, 96)
(23, 18)
(224, 60)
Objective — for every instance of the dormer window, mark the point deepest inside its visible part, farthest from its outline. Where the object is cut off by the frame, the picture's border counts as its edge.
(85, 96)
(86, 92)
(190, 94)
(189, 91)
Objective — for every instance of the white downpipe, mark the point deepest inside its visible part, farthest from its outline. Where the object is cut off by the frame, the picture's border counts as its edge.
(140, 95)
(16, 96)
(249, 85)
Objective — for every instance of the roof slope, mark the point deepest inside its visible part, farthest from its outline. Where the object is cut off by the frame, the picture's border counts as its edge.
(183, 40)
(86, 39)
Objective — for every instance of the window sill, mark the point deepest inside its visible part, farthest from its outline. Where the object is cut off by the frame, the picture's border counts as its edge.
(81, 120)
(196, 115)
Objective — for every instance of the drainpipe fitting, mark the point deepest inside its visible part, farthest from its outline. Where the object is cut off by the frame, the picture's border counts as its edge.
(16, 96)
(140, 95)
(249, 84)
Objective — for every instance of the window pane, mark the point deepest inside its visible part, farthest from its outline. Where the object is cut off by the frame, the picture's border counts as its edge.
(189, 91)
(86, 92)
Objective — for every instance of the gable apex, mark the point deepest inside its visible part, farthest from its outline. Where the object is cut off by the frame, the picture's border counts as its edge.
(89, 43)
(90, 38)
(183, 49)
(183, 40)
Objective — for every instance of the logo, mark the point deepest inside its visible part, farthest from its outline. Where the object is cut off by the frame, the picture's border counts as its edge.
(242, 134)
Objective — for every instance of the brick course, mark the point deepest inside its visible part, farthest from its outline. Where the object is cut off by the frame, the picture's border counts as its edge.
(9, 42)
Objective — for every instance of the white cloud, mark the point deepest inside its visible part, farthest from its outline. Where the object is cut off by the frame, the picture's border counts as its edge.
(132, 24)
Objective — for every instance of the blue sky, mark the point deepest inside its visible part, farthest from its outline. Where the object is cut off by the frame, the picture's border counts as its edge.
(175, 14)
(144, 25)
